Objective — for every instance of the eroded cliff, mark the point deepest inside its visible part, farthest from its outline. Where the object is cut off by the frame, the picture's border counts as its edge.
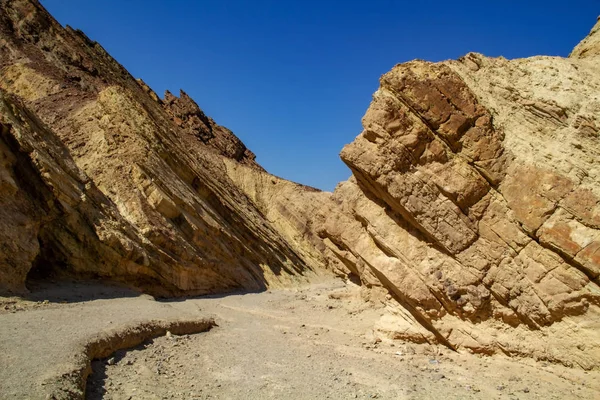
(103, 179)
(474, 203)
(475, 200)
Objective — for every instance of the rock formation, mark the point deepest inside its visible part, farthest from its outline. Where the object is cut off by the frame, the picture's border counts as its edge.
(186, 114)
(474, 203)
(102, 179)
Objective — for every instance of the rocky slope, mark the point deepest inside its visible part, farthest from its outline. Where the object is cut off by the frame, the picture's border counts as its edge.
(473, 210)
(475, 201)
(101, 178)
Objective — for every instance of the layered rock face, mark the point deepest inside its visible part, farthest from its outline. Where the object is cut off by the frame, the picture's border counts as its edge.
(102, 179)
(186, 114)
(475, 200)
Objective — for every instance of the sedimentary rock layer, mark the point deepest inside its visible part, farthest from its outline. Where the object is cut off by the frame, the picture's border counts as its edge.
(475, 200)
(101, 178)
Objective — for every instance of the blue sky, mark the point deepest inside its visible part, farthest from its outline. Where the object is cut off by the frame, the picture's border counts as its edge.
(293, 79)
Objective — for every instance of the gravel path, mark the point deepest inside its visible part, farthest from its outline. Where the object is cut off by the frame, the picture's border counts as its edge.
(310, 343)
(46, 346)
(304, 344)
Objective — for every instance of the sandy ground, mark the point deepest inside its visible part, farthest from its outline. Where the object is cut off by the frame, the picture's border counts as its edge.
(310, 343)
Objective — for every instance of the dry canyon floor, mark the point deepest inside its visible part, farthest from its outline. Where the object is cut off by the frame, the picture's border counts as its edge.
(313, 342)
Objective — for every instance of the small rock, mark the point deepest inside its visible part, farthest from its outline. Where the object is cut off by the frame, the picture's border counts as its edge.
(472, 388)
(526, 390)
(111, 361)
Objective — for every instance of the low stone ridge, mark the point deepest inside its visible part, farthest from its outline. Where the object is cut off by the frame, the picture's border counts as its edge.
(473, 209)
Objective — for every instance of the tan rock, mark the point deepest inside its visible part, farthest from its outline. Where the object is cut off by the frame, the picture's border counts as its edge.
(474, 201)
(590, 46)
(103, 179)
(533, 194)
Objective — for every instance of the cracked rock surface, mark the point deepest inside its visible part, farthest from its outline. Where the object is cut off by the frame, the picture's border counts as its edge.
(472, 213)
(102, 179)
(475, 200)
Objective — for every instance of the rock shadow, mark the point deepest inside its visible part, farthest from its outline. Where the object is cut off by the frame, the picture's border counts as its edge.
(72, 291)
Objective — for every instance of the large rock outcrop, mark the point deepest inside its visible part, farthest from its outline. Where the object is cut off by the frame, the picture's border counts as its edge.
(100, 178)
(475, 201)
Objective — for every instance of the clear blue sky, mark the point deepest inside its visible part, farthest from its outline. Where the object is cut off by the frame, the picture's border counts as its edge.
(293, 79)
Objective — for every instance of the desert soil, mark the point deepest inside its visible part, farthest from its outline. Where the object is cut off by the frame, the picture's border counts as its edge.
(314, 342)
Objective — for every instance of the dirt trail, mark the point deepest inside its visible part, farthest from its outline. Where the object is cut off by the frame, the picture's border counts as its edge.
(46, 345)
(292, 344)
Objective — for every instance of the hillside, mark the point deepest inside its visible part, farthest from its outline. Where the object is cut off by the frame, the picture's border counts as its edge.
(471, 220)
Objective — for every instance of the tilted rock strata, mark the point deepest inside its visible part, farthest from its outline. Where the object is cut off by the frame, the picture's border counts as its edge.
(188, 116)
(590, 46)
(294, 210)
(475, 202)
(104, 180)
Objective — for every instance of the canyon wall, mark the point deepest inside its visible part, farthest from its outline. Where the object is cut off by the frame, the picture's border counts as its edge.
(475, 201)
(473, 206)
(103, 179)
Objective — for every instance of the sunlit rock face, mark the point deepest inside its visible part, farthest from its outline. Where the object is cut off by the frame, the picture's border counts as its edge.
(102, 179)
(475, 201)
(473, 209)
